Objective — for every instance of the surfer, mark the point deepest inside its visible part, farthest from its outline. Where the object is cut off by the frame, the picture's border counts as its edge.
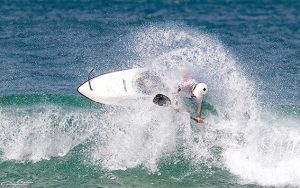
(190, 88)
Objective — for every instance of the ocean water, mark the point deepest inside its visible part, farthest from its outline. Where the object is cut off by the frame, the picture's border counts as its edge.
(246, 51)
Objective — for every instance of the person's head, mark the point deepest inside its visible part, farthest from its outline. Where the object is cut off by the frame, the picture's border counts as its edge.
(199, 90)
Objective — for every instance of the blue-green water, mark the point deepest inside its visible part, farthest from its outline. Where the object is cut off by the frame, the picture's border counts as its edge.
(247, 52)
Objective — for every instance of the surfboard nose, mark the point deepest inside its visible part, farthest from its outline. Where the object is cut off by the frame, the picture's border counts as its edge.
(84, 90)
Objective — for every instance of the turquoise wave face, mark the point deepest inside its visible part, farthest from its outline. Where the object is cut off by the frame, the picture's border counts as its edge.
(45, 99)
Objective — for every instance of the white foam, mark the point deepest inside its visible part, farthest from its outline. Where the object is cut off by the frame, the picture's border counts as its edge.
(139, 136)
(35, 133)
(269, 157)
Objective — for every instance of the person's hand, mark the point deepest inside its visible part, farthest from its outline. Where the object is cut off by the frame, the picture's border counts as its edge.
(198, 119)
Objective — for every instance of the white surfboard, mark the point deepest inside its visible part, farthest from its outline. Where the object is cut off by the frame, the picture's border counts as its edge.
(116, 88)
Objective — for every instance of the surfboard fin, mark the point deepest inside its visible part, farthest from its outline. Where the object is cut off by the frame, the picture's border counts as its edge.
(161, 100)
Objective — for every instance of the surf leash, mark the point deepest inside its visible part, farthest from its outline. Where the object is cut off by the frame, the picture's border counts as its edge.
(89, 78)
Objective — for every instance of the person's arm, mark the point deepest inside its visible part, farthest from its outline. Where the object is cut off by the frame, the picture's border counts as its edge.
(198, 112)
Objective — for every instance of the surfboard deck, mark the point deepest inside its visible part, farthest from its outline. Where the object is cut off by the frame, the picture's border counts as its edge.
(123, 87)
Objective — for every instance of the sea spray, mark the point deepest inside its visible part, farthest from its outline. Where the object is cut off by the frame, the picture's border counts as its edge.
(171, 52)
